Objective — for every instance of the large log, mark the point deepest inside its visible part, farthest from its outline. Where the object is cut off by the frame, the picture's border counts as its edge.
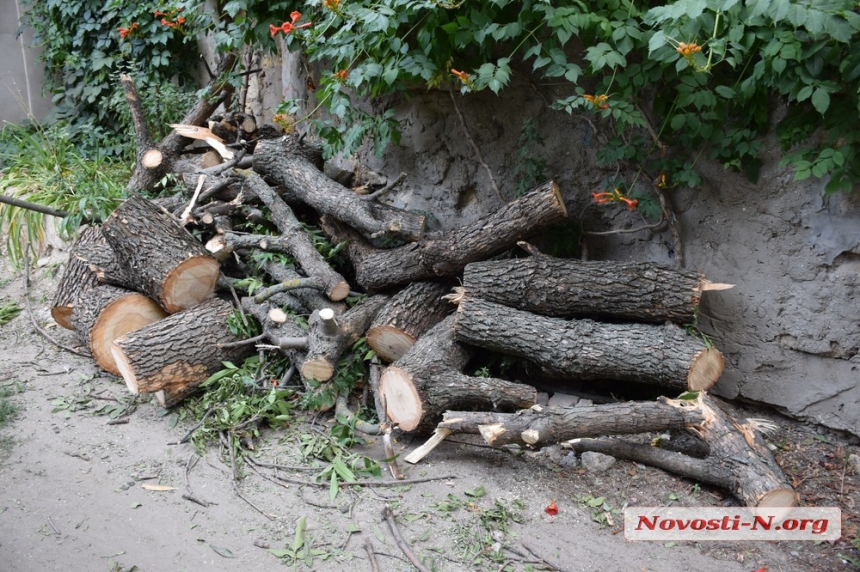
(285, 161)
(330, 336)
(77, 279)
(163, 259)
(406, 317)
(98, 255)
(427, 381)
(536, 427)
(636, 291)
(665, 355)
(105, 313)
(445, 253)
(739, 461)
(180, 351)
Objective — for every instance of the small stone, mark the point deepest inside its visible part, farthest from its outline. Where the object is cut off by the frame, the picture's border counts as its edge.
(795, 553)
(854, 462)
(584, 403)
(569, 461)
(596, 462)
(563, 400)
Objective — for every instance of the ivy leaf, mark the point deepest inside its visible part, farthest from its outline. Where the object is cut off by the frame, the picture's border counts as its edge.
(821, 100)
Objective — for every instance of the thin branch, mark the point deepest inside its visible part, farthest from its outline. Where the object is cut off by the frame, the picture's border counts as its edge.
(197, 426)
(388, 516)
(385, 190)
(475, 147)
(366, 483)
(246, 342)
(371, 555)
(654, 226)
(253, 461)
(33, 206)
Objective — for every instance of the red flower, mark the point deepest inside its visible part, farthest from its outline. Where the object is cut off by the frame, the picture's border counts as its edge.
(614, 197)
(552, 509)
(288, 27)
(126, 32)
(598, 101)
(461, 75)
(341, 75)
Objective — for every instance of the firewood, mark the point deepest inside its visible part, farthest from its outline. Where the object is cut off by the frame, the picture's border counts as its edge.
(179, 351)
(537, 426)
(739, 461)
(445, 253)
(665, 355)
(289, 162)
(100, 258)
(637, 291)
(163, 260)
(77, 278)
(312, 298)
(105, 313)
(329, 338)
(406, 317)
(427, 381)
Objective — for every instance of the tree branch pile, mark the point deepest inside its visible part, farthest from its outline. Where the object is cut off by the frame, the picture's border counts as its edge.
(153, 291)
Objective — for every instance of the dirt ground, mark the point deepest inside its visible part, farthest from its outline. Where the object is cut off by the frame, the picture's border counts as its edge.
(73, 496)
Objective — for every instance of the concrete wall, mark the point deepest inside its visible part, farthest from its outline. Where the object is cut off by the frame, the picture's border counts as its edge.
(20, 71)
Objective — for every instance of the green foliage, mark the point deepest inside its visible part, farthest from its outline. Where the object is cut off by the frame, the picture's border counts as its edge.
(708, 72)
(43, 166)
(8, 312)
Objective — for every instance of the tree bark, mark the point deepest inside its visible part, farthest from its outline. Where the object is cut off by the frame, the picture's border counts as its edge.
(101, 260)
(180, 351)
(406, 317)
(105, 313)
(664, 355)
(445, 253)
(312, 298)
(285, 162)
(638, 291)
(161, 258)
(550, 425)
(77, 279)
(427, 381)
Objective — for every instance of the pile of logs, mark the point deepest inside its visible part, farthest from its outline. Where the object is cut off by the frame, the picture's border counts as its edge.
(151, 289)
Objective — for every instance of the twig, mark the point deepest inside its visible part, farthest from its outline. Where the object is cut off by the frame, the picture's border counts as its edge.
(295, 284)
(186, 214)
(51, 524)
(38, 328)
(367, 483)
(197, 426)
(371, 556)
(189, 464)
(237, 301)
(37, 208)
(385, 190)
(280, 467)
(208, 193)
(253, 340)
(119, 421)
(654, 226)
(226, 443)
(388, 516)
(194, 499)
(475, 147)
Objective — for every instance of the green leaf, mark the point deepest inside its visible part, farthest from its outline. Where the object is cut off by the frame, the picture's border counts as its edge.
(299, 539)
(225, 552)
(657, 40)
(333, 486)
(595, 502)
(804, 93)
(689, 395)
(725, 91)
(477, 492)
(278, 553)
(821, 100)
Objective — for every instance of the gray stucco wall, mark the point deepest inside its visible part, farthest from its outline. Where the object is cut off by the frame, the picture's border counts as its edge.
(20, 71)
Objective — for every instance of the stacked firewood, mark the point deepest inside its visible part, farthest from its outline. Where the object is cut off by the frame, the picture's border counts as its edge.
(152, 301)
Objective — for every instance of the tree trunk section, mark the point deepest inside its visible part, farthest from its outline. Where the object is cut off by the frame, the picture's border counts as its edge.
(445, 253)
(106, 313)
(406, 317)
(100, 258)
(285, 161)
(77, 279)
(179, 351)
(665, 355)
(416, 389)
(637, 291)
(165, 262)
(551, 425)
(329, 338)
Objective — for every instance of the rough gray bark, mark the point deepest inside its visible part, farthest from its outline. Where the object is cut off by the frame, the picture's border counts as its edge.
(586, 350)
(284, 161)
(639, 291)
(77, 278)
(445, 253)
(312, 298)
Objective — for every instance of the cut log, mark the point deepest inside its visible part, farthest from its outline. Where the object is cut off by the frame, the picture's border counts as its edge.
(665, 355)
(406, 317)
(98, 255)
(180, 351)
(312, 298)
(286, 335)
(295, 241)
(537, 427)
(165, 262)
(739, 461)
(106, 313)
(419, 387)
(77, 279)
(445, 253)
(329, 338)
(636, 291)
(292, 163)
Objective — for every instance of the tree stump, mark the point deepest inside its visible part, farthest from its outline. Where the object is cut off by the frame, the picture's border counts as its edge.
(180, 351)
(106, 313)
(637, 291)
(445, 253)
(427, 381)
(406, 317)
(77, 279)
(165, 262)
(591, 351)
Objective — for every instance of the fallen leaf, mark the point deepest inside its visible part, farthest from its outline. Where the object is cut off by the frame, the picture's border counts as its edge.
(150, 487)
(136, 505)
(552, 509)
(225, 552)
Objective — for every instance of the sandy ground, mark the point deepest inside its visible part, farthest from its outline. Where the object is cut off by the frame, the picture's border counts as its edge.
(72, 493)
